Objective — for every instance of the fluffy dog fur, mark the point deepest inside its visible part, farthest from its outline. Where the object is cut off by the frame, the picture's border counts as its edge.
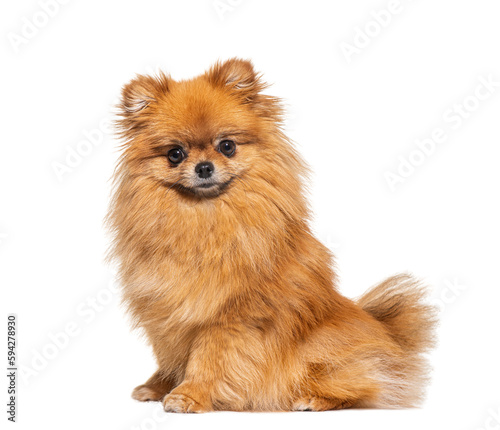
(236, 296)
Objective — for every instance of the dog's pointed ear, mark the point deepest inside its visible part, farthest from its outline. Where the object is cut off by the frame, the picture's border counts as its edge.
(138, 94)
(137, 97)
(238, 76)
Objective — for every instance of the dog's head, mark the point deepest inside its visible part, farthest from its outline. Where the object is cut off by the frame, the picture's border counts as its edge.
(201, 136)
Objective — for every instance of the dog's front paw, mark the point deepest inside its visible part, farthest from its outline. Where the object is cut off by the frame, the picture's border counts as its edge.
(145, 393)
(178, 402)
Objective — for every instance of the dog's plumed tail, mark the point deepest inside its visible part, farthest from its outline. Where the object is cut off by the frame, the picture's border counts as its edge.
(400, 304)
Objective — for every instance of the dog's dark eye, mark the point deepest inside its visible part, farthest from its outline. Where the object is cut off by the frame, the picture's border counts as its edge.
(175, 155)
(227, 147)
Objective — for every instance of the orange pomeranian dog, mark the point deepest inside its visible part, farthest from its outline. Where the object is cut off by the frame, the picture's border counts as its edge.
(220, 269)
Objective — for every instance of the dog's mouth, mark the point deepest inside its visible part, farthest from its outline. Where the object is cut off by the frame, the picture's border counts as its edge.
(210, 185)
(208, 189)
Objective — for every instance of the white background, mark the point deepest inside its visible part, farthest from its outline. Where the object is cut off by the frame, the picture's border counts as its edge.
(351, 116)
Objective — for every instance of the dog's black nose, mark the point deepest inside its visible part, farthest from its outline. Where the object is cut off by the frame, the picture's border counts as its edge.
(204, 169)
